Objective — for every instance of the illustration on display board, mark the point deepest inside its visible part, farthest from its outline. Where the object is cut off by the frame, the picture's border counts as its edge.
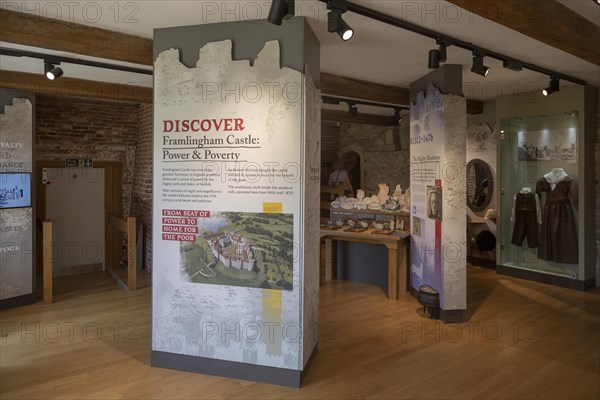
(241, 249)
(548, 145)
(434, 202)
(558, 238)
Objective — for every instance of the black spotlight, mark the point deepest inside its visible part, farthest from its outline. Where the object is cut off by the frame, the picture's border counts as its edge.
(429, 298)
(280, 9)
(352, 109)
(443, 51)
(512, 65)
(397, 117)
(478, 66)
(51, 71)
(554, 87)
(434, 59)
(335, 23)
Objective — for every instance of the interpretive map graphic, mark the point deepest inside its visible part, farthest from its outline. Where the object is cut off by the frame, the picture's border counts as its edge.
(241, 249)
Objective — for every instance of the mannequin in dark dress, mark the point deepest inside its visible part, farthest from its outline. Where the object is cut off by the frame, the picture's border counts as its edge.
(558, 237)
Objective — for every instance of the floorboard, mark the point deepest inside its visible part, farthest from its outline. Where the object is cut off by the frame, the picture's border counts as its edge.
(523, 340)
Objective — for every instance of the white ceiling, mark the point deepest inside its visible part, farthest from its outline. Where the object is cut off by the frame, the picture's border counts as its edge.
(378, 52)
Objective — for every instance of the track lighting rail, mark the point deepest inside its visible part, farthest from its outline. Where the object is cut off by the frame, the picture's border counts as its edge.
(514, 63)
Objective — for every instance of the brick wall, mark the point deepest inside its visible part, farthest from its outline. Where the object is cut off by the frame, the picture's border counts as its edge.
(141, 202)
(330, 136)
(380, 161)
(82, 128)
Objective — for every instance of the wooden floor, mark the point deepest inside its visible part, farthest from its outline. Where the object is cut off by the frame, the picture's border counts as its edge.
(524, 340)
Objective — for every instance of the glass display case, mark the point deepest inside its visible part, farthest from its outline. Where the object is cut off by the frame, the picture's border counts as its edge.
(538, 196)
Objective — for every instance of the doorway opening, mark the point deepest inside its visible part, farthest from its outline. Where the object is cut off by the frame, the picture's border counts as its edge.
(78, 201)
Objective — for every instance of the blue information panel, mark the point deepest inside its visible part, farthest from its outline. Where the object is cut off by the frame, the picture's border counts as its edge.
(15, 190)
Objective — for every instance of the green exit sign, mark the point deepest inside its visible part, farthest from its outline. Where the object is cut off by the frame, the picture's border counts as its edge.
(79, 162)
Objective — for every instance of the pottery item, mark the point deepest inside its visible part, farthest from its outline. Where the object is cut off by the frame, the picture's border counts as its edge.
(360, 194)
(384, 192)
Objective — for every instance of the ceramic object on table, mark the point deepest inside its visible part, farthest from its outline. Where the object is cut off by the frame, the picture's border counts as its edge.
(336, 204)
(347, 205)
(384, 192)
(374, 206)
(391, 204)
(360, 194)
(359, 205)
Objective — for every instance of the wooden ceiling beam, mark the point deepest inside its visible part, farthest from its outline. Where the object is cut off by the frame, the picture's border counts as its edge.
(547, 21)
(342, 86)
(47, 33)
(72, 87)
(361, 118)
(53, 34)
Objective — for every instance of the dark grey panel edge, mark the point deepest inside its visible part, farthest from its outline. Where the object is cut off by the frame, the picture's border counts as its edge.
(446, 316)
(230, 369)
(189, 39)
(534, 276)
(452, 316)
(447, 79)
(18, 301)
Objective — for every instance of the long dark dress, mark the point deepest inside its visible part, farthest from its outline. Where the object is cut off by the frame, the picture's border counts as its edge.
(558, 237)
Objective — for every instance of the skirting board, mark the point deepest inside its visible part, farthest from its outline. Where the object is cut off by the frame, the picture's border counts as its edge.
(446, 316)
(19, 301)
(231, 369)
(546, 278)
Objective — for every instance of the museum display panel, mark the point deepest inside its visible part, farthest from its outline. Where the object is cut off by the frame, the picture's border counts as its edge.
(17, 214)
(539, 195)
(236, 194)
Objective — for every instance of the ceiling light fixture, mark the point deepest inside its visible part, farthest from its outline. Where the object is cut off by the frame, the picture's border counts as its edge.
(597, 2)
(352, 109)
(478, 66)
(434, 59)
(443, 49)
(335, 22)
(52, 71)
(553, 88)
(397, 117)
(348, 6)
(512, 65)
(281, 9)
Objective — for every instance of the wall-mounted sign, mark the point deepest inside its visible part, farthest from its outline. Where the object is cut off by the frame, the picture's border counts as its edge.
(79, 162)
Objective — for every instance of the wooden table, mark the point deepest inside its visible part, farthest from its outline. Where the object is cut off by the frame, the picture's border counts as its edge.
(395, 243)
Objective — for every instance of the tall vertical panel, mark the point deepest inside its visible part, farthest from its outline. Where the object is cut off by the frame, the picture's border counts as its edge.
(438, 195)
(236, 144)
(16, 201)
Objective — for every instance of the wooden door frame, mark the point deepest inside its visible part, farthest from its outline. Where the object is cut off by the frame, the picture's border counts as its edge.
(113, 204)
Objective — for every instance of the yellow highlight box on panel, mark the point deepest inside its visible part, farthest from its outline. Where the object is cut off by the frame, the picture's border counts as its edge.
(272, 208)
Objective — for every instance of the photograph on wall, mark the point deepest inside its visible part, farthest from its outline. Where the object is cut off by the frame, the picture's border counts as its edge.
(241, 249)
(15, 190)
(416, 226)
(548, 145)
(434, 202)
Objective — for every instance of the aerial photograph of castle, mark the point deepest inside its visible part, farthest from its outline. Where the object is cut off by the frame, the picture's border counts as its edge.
(241, 249)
